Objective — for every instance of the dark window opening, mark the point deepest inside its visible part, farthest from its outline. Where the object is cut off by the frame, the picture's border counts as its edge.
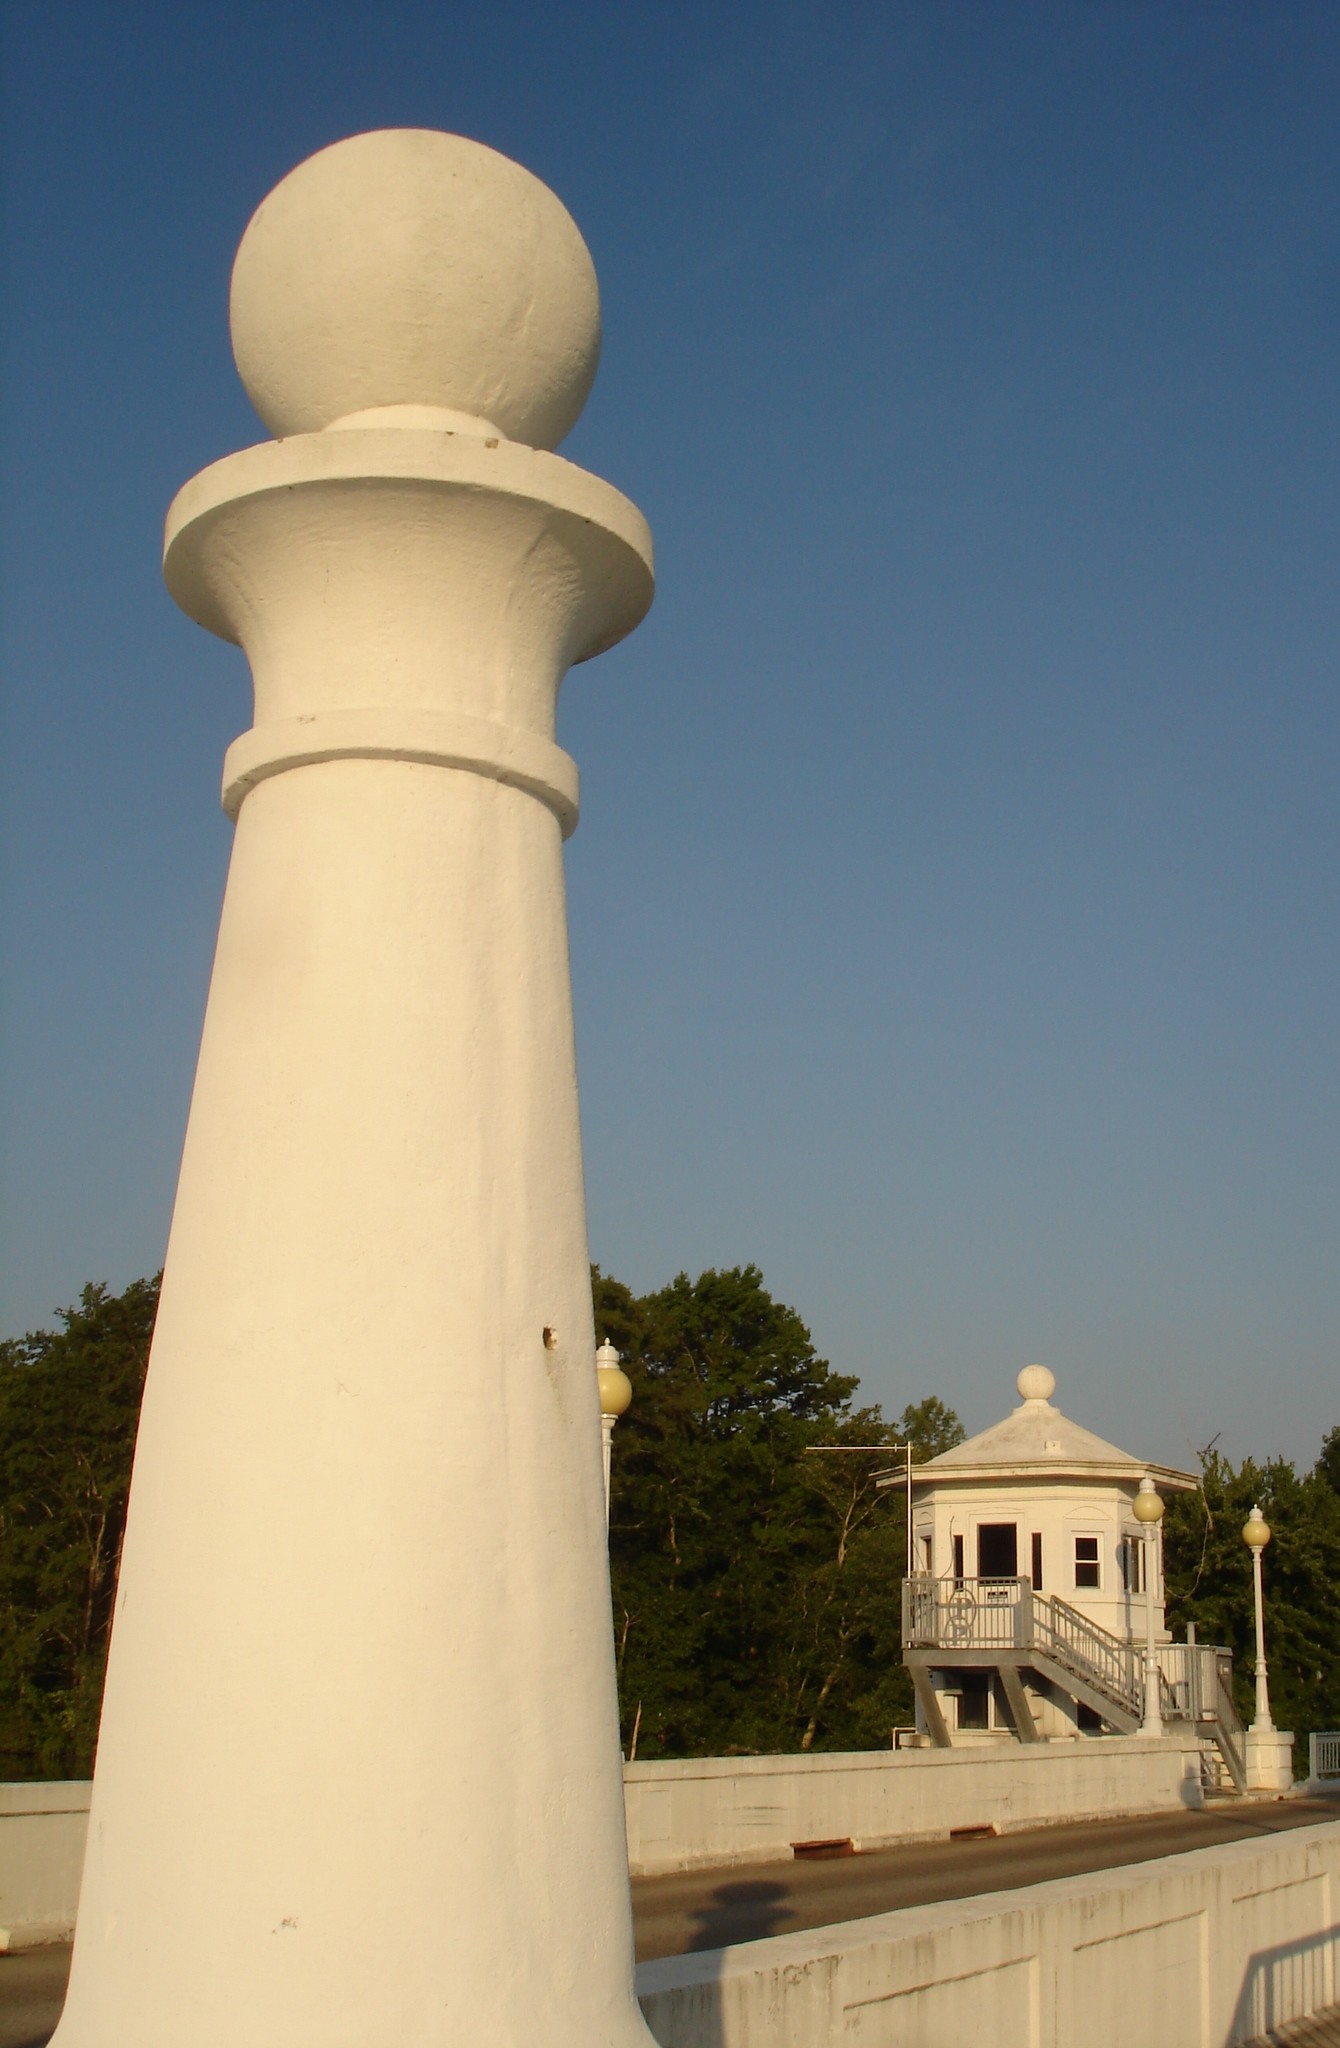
(1037, 1562)
(1132, 1556)
(1086, 1562)
(997, 1550)
(958, 1557)
(974, 1703)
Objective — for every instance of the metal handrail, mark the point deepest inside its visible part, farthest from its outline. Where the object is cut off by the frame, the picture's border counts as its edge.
(963, 1614)
(1195, 1679)
(1225, 1712)
(1091, 1652)
(1323, 1753)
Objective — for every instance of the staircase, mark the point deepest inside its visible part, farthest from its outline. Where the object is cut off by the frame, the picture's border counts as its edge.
(1104, 1672)
(1003, 1622)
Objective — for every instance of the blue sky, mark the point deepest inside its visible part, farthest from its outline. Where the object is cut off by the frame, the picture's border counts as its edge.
(954, 910)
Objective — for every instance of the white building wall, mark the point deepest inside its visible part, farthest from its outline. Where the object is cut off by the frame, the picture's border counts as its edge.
(1058, 1511)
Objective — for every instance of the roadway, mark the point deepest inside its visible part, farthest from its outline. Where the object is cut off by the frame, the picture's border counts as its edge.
(709, 1909)
(712, 1908)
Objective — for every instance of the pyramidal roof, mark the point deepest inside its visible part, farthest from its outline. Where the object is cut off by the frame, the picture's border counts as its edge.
(1037, 1438)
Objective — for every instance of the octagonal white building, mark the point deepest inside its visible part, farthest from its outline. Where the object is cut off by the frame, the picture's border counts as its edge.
(1025, 1612)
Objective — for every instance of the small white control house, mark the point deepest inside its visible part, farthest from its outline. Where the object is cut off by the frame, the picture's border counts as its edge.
(1025, 1614)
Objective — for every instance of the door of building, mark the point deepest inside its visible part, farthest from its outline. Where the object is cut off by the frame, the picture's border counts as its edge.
(997, 1550)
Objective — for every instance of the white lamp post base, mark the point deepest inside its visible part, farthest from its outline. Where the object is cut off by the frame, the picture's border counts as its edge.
(1269, 1760)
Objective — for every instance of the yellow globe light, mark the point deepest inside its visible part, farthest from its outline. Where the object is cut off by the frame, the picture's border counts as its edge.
(1256, 1530)
(616, 1389)
(1147, 1505)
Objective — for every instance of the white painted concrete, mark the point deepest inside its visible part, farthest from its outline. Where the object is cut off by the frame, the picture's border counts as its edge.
(42, 1832)
(1269, 1759)
(1194, 1951)
(358, 1771)
(685, 1815)
(412, 269)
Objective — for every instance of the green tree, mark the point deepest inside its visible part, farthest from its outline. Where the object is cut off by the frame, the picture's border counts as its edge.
(755, 1576)
(69, 1408)
(930, 1427)
(1209, 1577)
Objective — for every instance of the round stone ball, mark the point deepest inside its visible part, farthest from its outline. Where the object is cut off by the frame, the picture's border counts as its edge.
(1036, 1383)
(408, 267)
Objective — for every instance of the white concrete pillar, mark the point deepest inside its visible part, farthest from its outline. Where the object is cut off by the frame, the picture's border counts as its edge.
(358, 1779)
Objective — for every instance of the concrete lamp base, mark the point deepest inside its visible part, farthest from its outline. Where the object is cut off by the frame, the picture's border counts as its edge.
(1269, 1760)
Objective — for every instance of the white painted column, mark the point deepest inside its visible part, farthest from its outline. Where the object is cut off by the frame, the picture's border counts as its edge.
(358, 1779)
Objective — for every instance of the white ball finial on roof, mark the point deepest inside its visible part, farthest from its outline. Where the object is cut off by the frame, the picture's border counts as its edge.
(1036, 1383)
(409, 268)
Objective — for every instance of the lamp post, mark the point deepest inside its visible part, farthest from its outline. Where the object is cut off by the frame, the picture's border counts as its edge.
(616, 1392)
(1148, 1510)
(1256, 1535)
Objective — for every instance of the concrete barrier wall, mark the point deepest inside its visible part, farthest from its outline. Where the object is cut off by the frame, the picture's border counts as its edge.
(1193, 1951)
(717, 1811)
(42, 1830)
(686, 1815)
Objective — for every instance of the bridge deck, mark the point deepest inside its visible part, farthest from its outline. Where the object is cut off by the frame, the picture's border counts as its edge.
(709, 1909)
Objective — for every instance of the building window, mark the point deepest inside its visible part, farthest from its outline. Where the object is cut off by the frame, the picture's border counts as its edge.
(974, 1700)
(1037, 1561)
(997, 1550)
(927, 1554)
(1132, 1556)
(958, 1557)
(1086, 1563)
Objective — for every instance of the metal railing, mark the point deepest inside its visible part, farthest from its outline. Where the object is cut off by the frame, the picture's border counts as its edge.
(1323, 1754)
(967, 1614)
(1006, 1614)
(1196, 1679)
(1198, 1683)
(1115, 1668)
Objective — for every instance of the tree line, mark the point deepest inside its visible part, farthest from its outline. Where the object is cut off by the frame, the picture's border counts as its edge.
(755, 1575)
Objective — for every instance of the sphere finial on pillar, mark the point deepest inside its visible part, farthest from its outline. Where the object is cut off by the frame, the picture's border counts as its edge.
(409, 268)
(1036, 1383)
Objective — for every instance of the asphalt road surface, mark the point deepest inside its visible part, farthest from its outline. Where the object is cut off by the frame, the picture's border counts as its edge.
(708, 1909)
(32, 1992)
(711, 1908)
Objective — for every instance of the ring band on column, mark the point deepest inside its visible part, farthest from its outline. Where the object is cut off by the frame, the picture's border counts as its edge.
(394, 733)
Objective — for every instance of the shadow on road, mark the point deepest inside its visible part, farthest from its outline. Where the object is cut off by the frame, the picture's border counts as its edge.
(740, 1912)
